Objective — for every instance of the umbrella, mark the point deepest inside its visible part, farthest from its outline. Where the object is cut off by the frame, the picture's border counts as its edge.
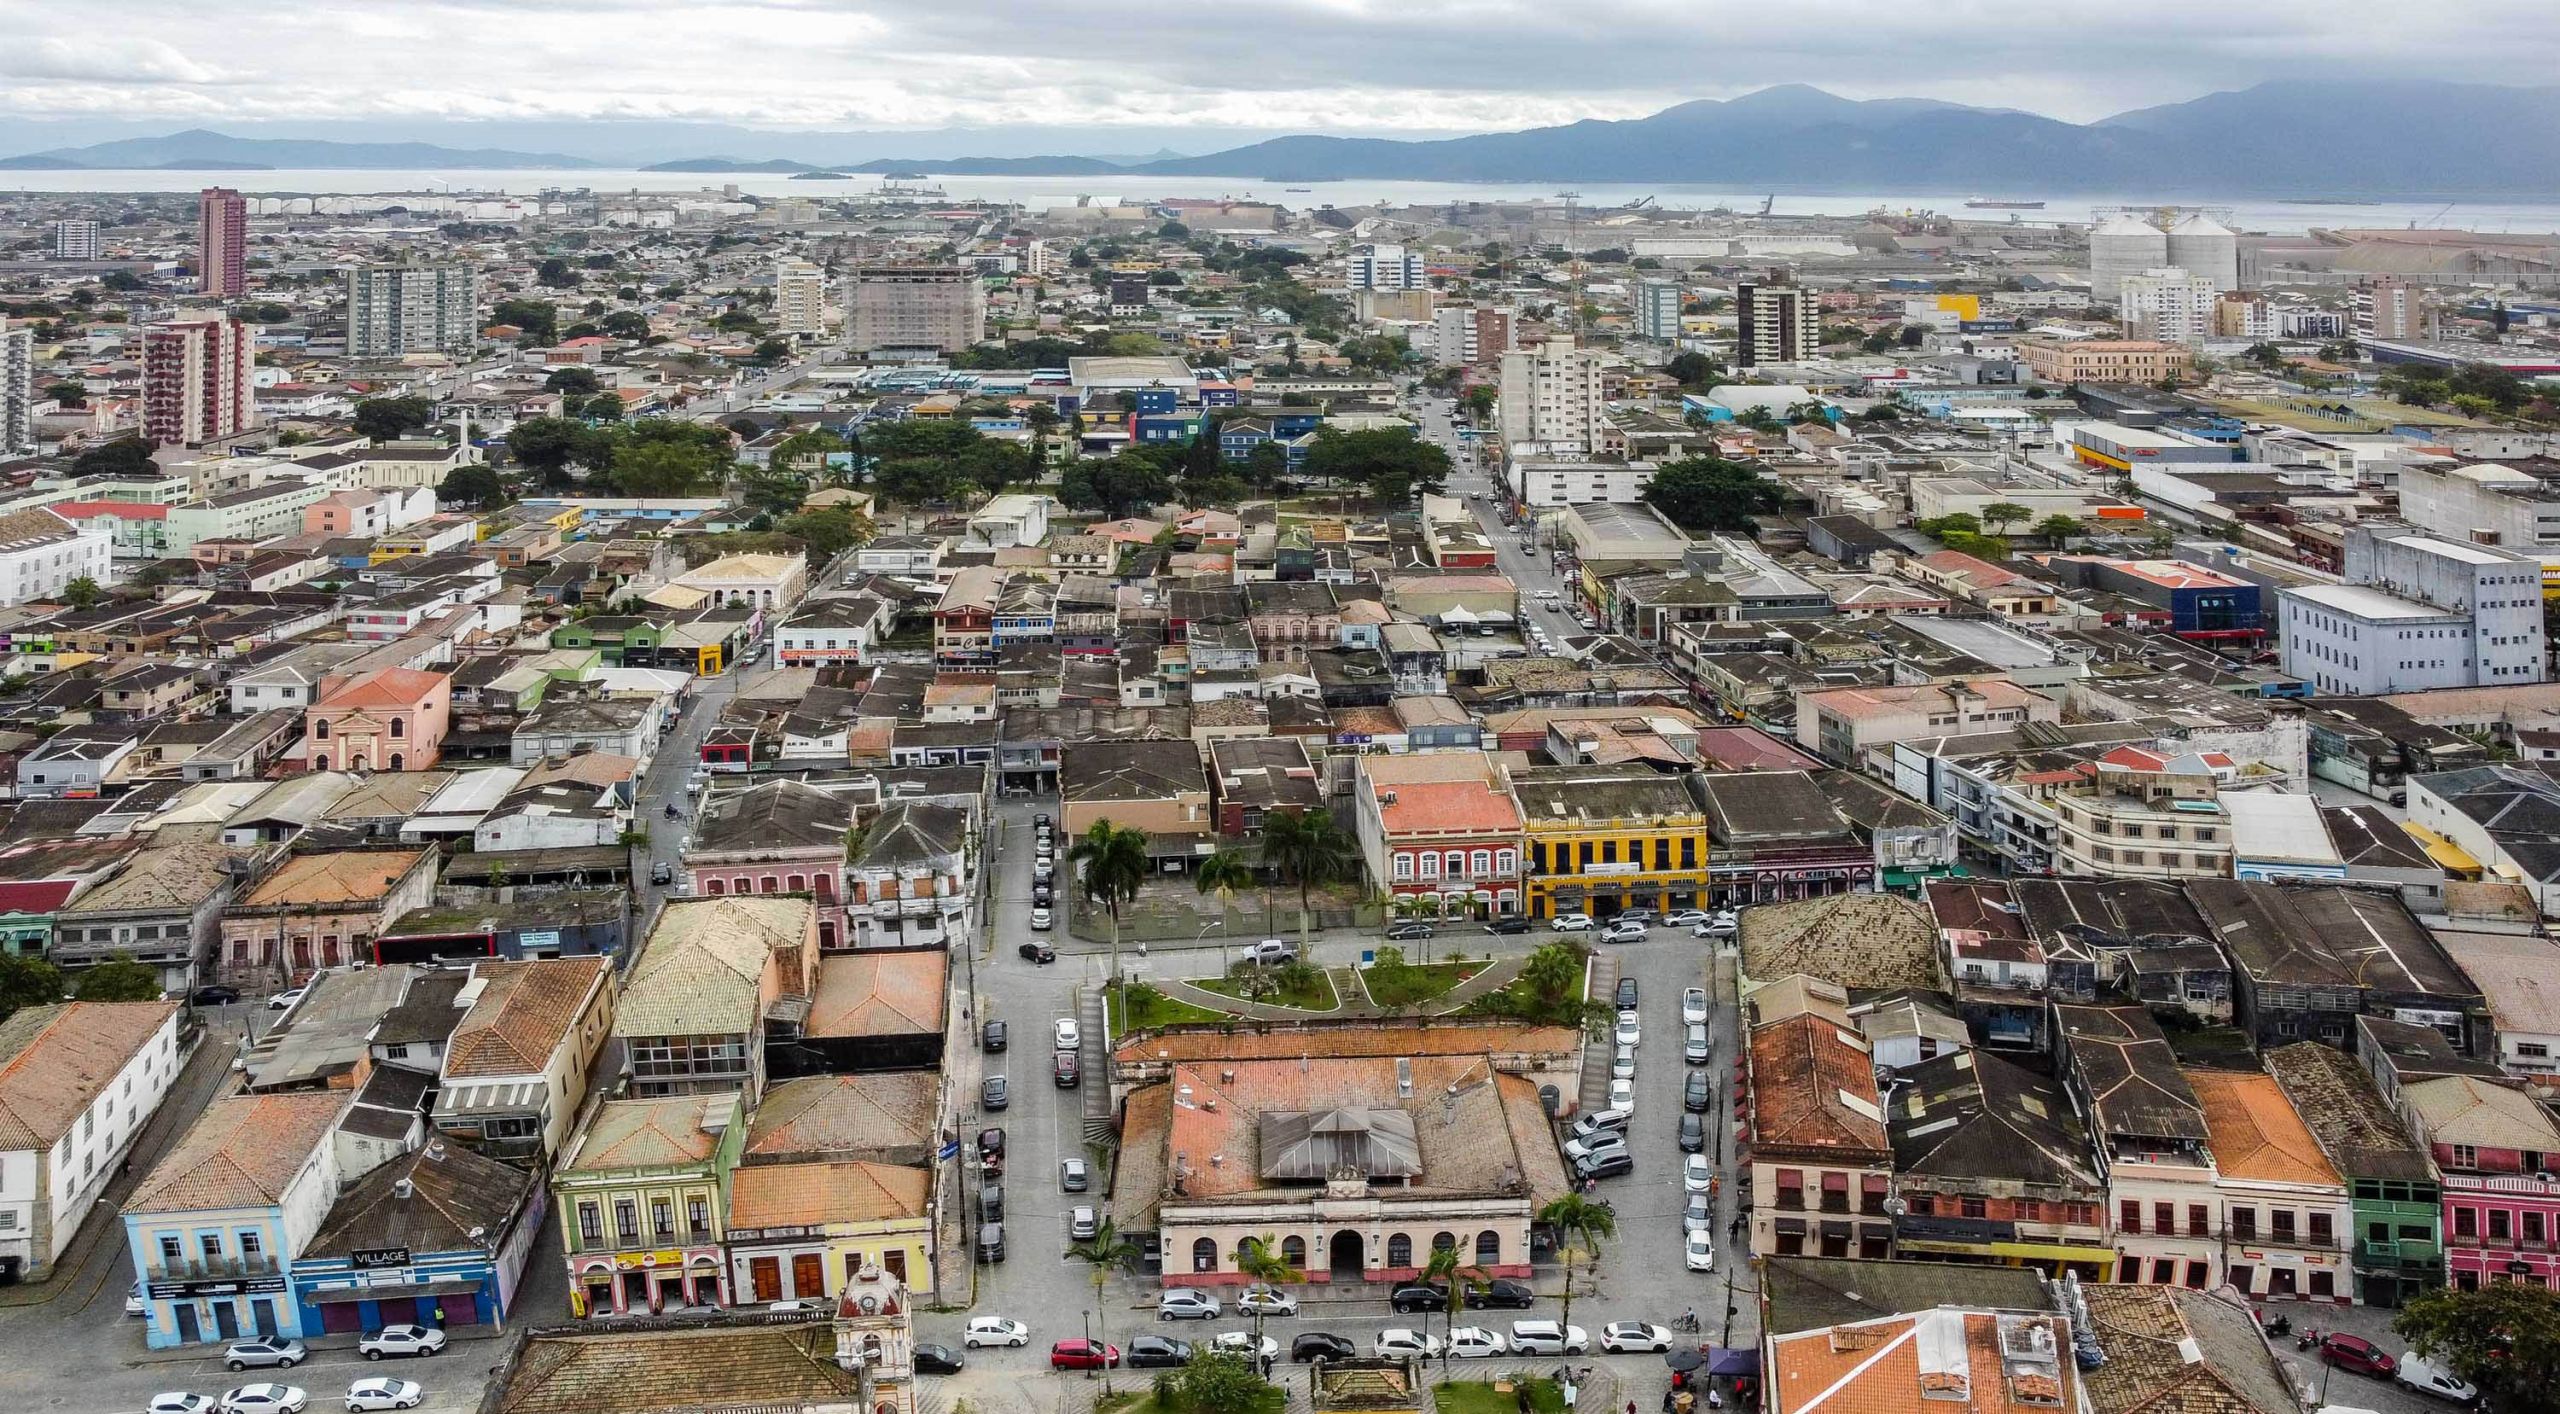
(1722, 1361)
(1684, 1358)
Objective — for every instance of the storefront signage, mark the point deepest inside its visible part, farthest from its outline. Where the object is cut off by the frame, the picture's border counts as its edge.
(365, 1259)
(639, 1261)
(188, 1290)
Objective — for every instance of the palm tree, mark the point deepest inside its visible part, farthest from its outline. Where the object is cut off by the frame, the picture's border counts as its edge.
(1222, 874)
(1104, 1250)
(1575, 1216)
(1308, 849)
(1113, 860)
(1447, 1266)
(1260, 1259)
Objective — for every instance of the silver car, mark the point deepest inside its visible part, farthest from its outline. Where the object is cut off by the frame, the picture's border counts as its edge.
(259, 1354)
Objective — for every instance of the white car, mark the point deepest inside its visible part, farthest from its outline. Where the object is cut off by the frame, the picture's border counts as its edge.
(401, 1340)
(265, 1399)
(364, 1395)
(1397, 1342)
(800, 1306)
(1475, 1343)
(1570, 923)
(1241, 1343)
(1548, 1338)
(1701, 1253)
(1630, 1029)
(1622, 1066)
(1697, 1175)
(1693, 1006)
(1598, 1120)
(995, 1330)
(1576, 1150)
(1266, 1301)
(1684, 918)
(133, 1303)
(1634, 1338)
(1069, 1036)
(179, 1402)
(2427, 1377)
(1622, 1095)
(1622, 931)
(1184, 1303)
(1722, 925)
(283, 1001)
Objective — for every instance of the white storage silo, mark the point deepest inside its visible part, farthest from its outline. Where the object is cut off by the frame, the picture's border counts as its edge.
(2203, 246)
(2119, 246)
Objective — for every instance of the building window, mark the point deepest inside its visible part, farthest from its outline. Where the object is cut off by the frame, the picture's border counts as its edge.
(626, 1219)
(2199, 1222)
(399, 728)
(662, 1218)
(1204, 1255)
(2465, 1157)
(1400, 1251)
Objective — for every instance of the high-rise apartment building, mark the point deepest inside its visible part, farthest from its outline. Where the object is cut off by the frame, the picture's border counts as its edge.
(2168, 304)
(222, 242)
(1551, 394)
(1383, 267)
(75, 238)
(1776, 322)
(412, 308)
(1039, 257)
(799, 297)
(196, 381)
(17, 390)
(1493, 335)
(1658, 305)
(2388, 307)
(915, 309)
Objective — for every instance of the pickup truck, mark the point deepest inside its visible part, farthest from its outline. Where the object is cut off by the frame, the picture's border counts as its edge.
(1271, 952)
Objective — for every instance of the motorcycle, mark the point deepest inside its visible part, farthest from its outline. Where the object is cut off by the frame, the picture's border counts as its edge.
(2278, 1325)
(2307, 1339)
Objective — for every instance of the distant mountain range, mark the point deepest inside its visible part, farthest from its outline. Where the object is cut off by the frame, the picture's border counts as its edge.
(2290, 138)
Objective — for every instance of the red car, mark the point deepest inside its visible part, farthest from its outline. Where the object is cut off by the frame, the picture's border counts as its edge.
(1083, 1355)
(2357, 1355)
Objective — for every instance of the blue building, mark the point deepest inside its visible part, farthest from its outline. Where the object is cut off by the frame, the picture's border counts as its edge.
(215, 1226)
(437, 1237)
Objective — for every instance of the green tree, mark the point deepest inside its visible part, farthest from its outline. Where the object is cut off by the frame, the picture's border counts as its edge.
(119, 979)
(1579, 1222)
(547, 445)
(772, 489)
(1265, 465)
(1260, 1259)
(1307, 849)
(556, 274)
(538, 318)
(26, 982)
(572, 379)
(1219, 1382)
(1111, 863)
(1703, 493)
(125, 456)
(70, 395)
(2264, 354)
(472, 485)
(1223, 873)
(383, 419)
(2487, 380)
(82, 593)
(1117, 486)
(1479, 403)
(770, 352)
(828, 531)
(1390, 462)
(2503, 1339)
(1104, 1252)
(1999, 515)
(662, 468)
(2058, 528)
(1694, 369)
(1445, 1267)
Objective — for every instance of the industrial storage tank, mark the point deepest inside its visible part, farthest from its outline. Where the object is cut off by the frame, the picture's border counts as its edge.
(2119, 246)
(2203, 246)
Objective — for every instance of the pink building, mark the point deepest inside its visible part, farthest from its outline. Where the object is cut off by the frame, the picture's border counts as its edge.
(2496, 1147)
(393, 720)
(222, 242)
(196, 381)
(1441, 830)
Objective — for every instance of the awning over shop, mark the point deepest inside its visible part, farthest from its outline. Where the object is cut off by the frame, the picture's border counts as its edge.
(407, 1291)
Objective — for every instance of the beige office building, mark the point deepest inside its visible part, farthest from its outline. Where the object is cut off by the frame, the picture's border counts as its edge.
(916, 309)
(799, 297)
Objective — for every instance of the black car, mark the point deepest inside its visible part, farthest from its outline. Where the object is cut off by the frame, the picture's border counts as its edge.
(1507, 925)
(1320, 1345)
(994, 1093)
(1698, 1095)
(1513, 1295)
(991, 1143)
(992, 1036)
(1403, 932)
(1041, 895)
(1607, 1163)
(1041, 821)
(1155, 1352)
(1418, 1298)
(938, 1360)
(1693, 1134)
(1068, 1072)
(1036, 952)
(1626, 994)
(216, 996)
(662, 873)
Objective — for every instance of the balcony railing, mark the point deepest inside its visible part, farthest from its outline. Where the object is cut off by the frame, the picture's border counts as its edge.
(213, 1268)
(2403, 1253)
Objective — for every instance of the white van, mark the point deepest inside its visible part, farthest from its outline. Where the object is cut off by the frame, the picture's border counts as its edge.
(1548, 1338)
(2427, 1377)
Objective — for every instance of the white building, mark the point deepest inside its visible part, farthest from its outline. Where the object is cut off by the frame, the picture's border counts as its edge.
(2121, 246)
(2388, 307)
(799, 297)
(1008, 521)
(41, 553)
(75, 238)
(1551, 394)
(17, 390)
(412, 308)
(1453, 336)
(1658, 304)
(1384, 267)
(2168, 304)
(2419, 612)
(1546, 476)
(77, 1082)
(2207, 249)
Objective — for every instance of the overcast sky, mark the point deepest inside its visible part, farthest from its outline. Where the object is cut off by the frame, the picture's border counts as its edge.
(1377, 66)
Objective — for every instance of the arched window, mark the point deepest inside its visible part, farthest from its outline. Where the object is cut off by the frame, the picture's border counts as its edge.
(1483, 860)
(399, 727)
(1444, 1242)
(1400, 1251)
(796, 883)
(398, 762)
(320, 729)
(1488, 1247)
(715, 885)
(319, 763)
(1204, 1255)
(1293, 1250)
(826, 887)
(769, 883)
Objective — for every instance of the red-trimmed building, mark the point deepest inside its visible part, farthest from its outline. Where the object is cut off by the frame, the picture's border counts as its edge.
(1442, 829)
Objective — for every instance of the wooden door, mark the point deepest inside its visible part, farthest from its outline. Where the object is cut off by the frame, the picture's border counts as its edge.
(767, 1275)
(808, 1274)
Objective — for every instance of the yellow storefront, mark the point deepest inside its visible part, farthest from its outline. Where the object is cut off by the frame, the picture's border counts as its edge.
(1602, 839)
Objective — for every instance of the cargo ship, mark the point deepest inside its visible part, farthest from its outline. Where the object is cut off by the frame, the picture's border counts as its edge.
(1981, 203)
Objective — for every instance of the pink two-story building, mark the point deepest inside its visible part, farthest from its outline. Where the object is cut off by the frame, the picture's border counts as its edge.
(1441, 830)
(392, 720)
(2497, 1149)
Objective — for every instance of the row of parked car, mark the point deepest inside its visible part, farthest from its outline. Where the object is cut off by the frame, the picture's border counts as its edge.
(363, 1397)
(1632, 925)
(1596, 1146)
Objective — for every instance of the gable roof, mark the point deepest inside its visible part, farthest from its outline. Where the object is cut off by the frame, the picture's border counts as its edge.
(56, 1060)
(701, 970)
(656, 1372)
(241, 1153)
(2256, 1134)
(897, 992)
(1814, 1089)
(885, 1115)
(666, 1132)
(458, 1201)
(817, 1194)
(522, 1014)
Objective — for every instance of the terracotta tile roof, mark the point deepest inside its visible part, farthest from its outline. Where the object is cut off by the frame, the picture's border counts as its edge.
(2152, 1368)
(525, 1009)
(391, 687)
(242, 1153)
(2254, 1132)
(884, 1114)
(701, 970)
(895, 993)
(660, 1133)
(1446, 807)
(1940, 1358)
(56, 1060)
(657, 1372)
(816, 1194)
(1813, 1088)
(355, 876)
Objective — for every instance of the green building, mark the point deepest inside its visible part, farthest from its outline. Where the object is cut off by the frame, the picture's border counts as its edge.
(2394, 1192)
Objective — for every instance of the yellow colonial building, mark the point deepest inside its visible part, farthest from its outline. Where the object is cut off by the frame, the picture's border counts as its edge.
(808, 1229)
(1605, 838)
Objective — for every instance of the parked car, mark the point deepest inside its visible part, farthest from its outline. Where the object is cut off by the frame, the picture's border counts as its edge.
(1685, 918)
(990, 1206)
(214, 996)
(1622, 1095)
(1622, 1066)
(1082, 1223)
(1072, 1176)
(1068, 1037)
(265, 1399)
(1404, 932)
(1697, 1213)
(1036, 952)
(1693, 1006)
(1698, 1092)
(401, 1340)
(1397, 1343)
(1606, 1141)
(179, 1402)
(1622, 932)
(283, 1001)
(662, 873)
(1502, 1294)
(1634, 1338)
(1700, 1255)
(1157, 1352)
(995, 1330)
(1083, 1355)
(134, 1305)
(1474, 1343)
(2357, 1356)
(1040, 822)
(1698, 1173)
(1508, 925)
(1183, 1303)
(1609, 1163)
(1242, 1343)
(1723, 923)
(1041, 894)
(991, 1144)
(1627, 992)
(1548, 1338)
(992, 1036)
(1068, 1070)
(1570, 923)
(365, 1395)
(994, 1093)
(1271, 952)
(938, 1360)
(1405, 1300)
(2427, 1377)
(1266, 1301)
(1630, 1030)
(1320, 1345)
(1040, 919)
(1598, 1120)
(1694, 1046)
(260, 1354)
